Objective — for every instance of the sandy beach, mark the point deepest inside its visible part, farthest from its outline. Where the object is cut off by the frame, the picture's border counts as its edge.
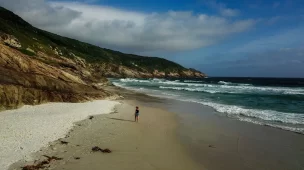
(26, 130)
(150, 144)
(170, 135)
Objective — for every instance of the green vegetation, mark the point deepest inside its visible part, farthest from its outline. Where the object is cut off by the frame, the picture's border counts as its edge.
(40, 40)
(25, 51)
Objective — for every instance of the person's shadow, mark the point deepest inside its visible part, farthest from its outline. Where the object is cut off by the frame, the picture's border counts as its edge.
(122, 120)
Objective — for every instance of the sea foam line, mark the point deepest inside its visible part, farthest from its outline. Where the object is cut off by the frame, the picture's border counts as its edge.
(26, 130)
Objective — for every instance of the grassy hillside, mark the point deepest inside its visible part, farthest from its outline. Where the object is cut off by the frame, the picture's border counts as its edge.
(39, 40)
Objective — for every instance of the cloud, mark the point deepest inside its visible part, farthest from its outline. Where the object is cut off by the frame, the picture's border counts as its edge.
(130, 31)
(229, 12)
(41, 14)
(276, 40)
(223, 9)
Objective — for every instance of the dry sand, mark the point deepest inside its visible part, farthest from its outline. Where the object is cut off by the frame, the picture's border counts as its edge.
(150, 144)
(26, 130)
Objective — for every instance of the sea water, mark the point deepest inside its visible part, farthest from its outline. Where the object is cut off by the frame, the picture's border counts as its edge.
(275, 102)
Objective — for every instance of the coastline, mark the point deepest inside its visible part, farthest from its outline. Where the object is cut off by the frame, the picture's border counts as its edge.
(213, 137)
(172, 135)
(150, 144)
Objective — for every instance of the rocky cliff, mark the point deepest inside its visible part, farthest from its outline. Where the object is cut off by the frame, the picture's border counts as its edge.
(30, 80)
(37, 66)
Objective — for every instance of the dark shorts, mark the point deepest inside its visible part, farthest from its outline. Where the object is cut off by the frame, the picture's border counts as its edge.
(136, 114)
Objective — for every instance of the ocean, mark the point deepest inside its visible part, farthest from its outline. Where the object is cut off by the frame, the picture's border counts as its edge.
(276, 102)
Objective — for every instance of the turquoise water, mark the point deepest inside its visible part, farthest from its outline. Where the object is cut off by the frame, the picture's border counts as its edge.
(274, 102)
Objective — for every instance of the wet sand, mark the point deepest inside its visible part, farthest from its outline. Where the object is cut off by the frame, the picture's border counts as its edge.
(219, 142)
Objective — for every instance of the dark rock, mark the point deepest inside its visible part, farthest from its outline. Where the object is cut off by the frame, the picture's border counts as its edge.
(106, 150)
(97, 149)
(91, 117)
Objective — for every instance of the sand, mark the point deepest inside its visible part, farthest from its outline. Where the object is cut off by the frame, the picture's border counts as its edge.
(26, 130)
(235, 144)
(172, 135)
(150, 144)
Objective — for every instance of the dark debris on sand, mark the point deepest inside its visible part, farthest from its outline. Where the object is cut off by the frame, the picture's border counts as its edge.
(97, 149)
(211, 146)
(42, 164)
(91, 117)
(64, 142)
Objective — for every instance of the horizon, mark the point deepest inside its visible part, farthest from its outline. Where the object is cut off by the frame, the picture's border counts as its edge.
(220, 38)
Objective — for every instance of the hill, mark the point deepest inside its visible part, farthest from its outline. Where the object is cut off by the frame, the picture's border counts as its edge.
(37, 66)
(36, 40)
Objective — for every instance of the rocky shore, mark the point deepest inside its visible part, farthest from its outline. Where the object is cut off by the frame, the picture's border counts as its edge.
(39, 78)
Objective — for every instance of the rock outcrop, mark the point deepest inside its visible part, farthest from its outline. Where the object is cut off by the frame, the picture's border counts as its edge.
(120, 71)
(26, 80)
(10, 40)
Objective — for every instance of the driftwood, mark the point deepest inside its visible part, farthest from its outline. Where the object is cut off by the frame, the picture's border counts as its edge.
(97, 149)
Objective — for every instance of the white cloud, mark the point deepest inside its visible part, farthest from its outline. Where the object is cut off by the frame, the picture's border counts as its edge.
(223, 10)
(229, 12)
(127, 30)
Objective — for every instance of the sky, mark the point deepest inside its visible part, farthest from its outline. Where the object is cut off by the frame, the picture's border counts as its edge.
(246, 38)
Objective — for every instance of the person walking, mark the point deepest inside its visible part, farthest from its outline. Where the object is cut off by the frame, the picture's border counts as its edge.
(136, 114)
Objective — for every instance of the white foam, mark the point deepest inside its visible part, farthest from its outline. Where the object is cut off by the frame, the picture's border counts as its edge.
(268, 115)
(26, 130)
(223, 82)
(192, 81)
(134, 80)
(233, 89)
(292, 129)
(191, 89)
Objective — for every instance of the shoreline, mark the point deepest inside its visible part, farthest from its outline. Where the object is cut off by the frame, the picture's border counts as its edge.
(200, 136)
(213, 137)
(150, 144)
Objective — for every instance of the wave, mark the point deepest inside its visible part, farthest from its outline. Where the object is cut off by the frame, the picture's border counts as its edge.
(192, 81)
(292, 129)
(128, 80)
(268, 115)
(190, 89)
(224, 87)
(256, 89)
(223, 82)
(161, 81)
(234, 84)
(236, 91)
(283, 120)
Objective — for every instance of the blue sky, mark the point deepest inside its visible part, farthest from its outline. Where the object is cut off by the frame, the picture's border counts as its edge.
(221, 38)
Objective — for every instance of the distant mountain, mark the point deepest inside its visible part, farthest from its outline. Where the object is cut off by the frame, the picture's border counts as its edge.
(37, 66)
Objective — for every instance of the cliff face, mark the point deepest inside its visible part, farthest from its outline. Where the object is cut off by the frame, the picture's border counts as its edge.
(28, 80)
(37, 66)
